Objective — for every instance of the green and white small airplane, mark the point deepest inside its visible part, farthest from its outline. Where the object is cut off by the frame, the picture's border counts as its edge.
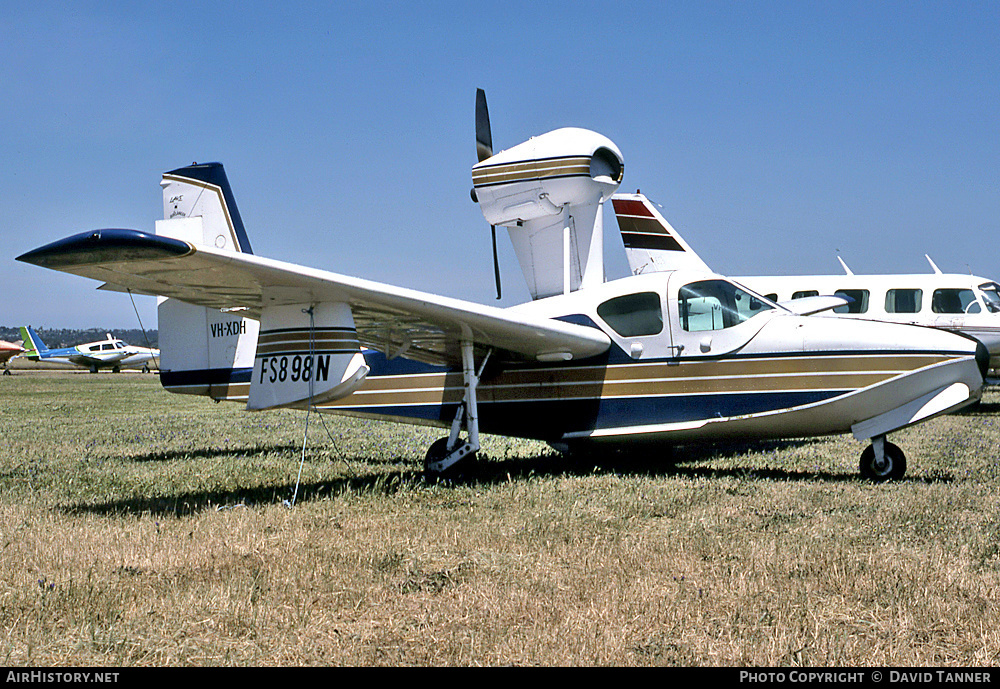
(110, 353)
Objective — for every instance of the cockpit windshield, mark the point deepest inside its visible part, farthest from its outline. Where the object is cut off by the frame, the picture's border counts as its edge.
(991, 295)
(718, 304)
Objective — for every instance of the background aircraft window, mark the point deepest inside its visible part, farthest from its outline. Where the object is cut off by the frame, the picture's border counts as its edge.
(716, 304)
(903, 300)
(954, 301)
(859, 305)
(805, 293)
(632, 315)
(991, 295)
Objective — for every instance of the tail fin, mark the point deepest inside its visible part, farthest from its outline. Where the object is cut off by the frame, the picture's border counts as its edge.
(32, 343)
(204, 351)
(651, 244)
(199, 207)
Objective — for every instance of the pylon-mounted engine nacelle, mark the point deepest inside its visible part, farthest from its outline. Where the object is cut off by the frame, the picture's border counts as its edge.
(548, 191)
(537, 178)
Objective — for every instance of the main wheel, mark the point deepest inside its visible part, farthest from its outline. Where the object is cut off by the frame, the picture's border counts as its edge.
(892, 469)
(438, 451)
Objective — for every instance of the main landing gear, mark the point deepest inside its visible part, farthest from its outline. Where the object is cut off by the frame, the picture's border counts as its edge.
(444, 454)
(882, 461)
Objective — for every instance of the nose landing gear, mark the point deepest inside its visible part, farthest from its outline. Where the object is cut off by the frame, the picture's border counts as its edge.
(882, 461)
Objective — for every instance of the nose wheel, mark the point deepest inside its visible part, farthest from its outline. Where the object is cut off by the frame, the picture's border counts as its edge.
(882, 461)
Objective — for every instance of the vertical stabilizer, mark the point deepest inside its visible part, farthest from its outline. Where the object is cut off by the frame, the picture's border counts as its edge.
(202, 192)
(32, 343)
(204, 351)
(651, 244)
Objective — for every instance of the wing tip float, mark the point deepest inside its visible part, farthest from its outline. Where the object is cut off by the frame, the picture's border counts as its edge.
(676, 354)
(104, 246)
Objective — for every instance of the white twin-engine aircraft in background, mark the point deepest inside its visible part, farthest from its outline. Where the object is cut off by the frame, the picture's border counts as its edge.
(951, 301)
(110, 353)
(636, 360)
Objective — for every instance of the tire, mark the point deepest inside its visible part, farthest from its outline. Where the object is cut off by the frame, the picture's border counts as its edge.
(438, 451)
(895, 464)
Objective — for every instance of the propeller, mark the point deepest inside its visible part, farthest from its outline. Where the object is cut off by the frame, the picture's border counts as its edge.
(484, 149)
(484, 138)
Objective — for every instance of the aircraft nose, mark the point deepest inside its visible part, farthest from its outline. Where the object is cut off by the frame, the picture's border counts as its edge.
(982, 359)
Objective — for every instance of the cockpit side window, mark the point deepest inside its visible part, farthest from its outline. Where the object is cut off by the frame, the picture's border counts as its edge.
(954, 301)
(633, 315)
(991, 295)
(716, 304)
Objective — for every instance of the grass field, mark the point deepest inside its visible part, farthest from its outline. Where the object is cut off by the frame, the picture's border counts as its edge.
(141, 528)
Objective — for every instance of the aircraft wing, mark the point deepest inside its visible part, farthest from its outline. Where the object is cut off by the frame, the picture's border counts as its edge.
(806, 306)
(96, 360)
(394, 320)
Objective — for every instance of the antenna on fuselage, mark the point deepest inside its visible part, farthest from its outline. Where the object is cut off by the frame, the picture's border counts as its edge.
(847, 270)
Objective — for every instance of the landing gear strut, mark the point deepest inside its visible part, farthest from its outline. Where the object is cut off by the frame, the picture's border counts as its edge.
(446, 452)
(882, 461)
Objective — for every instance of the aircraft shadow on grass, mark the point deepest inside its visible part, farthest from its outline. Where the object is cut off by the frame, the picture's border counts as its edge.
(673, 464)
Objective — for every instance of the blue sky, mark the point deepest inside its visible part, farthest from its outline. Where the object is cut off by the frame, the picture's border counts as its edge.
(773, 134)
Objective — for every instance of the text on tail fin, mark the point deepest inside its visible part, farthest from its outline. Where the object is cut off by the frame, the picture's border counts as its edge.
(202, 191)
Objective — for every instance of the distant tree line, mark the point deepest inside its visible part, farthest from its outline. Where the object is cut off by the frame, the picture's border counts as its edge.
(67, 337)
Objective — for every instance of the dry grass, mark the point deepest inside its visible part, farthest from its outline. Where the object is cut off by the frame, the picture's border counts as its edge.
(141, 528)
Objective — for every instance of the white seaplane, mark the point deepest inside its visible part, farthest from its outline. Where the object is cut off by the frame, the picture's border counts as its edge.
(967, 304)
(638, 360)
(110, 353)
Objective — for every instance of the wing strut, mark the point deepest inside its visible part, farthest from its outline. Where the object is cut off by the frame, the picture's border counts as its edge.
(467, 415)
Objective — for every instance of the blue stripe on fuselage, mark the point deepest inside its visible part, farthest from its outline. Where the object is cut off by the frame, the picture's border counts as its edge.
(541, 419)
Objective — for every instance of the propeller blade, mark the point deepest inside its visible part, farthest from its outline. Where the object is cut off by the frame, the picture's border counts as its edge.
(484, 138)
(496, 261)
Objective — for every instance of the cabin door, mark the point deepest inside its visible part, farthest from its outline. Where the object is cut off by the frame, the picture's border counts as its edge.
(710, 316)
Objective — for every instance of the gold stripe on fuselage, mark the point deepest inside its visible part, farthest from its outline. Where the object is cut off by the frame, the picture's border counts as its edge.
(640, 379)
(273, 342)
